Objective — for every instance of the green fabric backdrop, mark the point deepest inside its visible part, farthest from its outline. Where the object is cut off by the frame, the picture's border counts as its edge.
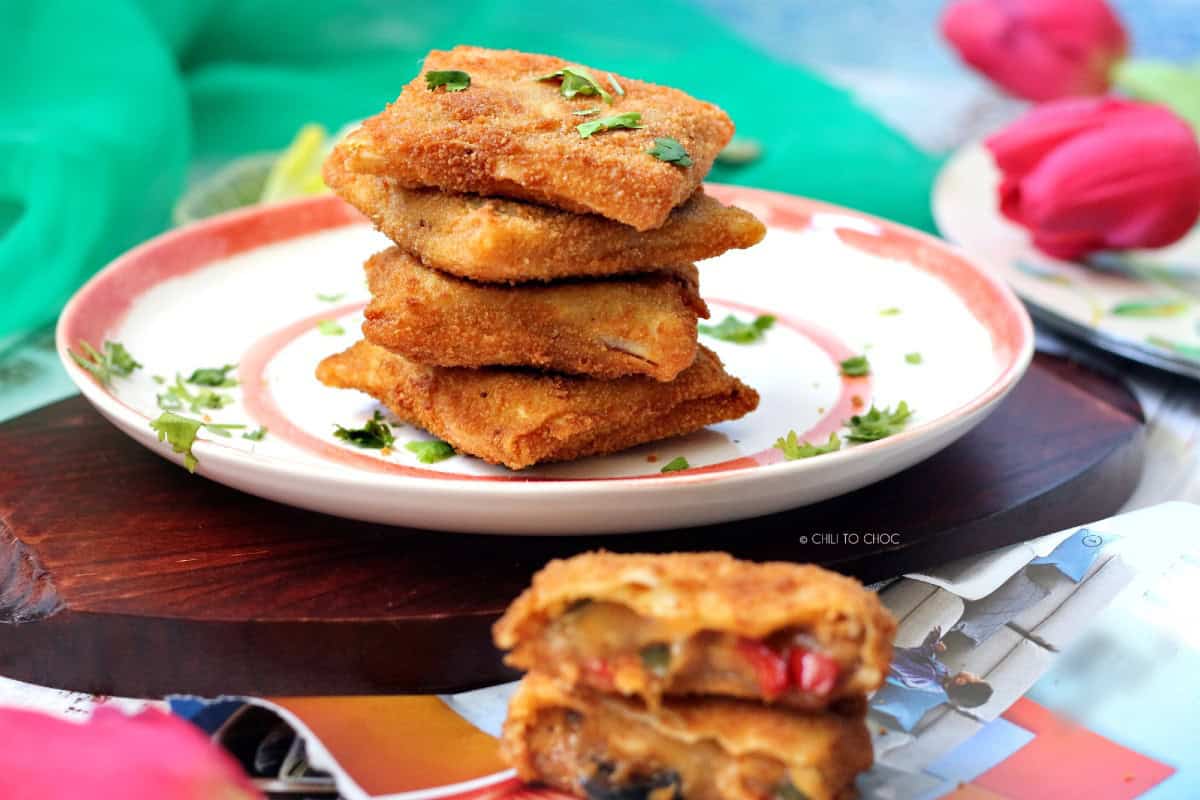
(105, 106)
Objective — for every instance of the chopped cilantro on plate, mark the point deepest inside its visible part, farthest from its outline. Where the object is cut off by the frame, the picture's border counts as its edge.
(214, 376)
(375, 434)
(114, 361)
(431, 451)
(732, 329)
(180, 432)
(794, 449)
(676, 464)
(177, 396)
(878, 424)
(856, 367)
(221, 429)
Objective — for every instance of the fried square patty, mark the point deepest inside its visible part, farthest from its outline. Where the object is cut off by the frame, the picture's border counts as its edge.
(603, 746)
(607, 328)
(680, 624)
(496, 240)
(520, 417)
(512, 135)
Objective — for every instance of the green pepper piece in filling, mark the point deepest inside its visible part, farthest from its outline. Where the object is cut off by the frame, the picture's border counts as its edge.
(656, 658)
(786, 791)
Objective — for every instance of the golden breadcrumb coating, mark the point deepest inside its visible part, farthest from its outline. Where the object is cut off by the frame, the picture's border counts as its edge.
(607, 328)
(519, 417)
(718, 749)
(688, 593)
(508, 241)
(512, 135)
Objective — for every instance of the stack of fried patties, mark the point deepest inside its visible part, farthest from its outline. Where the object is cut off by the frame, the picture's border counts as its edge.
(540, 301)
(693, 675)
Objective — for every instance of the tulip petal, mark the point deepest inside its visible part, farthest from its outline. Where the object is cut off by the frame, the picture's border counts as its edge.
(1038, 49)
(148, 756)
(1129, 186)
(1018, 148)
(1086, 32)
(1092, 174)
(995, 42)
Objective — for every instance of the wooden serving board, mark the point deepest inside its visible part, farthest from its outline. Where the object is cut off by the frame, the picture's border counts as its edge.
(123, 574)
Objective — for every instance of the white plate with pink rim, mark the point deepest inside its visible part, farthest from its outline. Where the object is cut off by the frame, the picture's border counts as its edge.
(253, 288)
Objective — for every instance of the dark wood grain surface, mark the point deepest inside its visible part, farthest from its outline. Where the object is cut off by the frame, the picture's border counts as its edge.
(122, 574)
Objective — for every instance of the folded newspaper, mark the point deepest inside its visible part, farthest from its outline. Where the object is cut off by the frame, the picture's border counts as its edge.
(1059, 667)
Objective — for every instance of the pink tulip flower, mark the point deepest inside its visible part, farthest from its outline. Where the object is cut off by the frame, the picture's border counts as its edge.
(1038, 49)
(1099, 174)
(150, 756)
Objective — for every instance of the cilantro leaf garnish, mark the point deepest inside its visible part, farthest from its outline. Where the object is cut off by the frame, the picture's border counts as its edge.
(667, 149)
(794, 449)
(178, 396)
(676, 464)
(169, 401)
(453, 79)
(122, 363)
(732, 329)
(913, 358)
(431, 451)
(629, 119)
(213, 376)
(221, 430)
(617, 88)
(115, 361)
(180, 432)
(330, 298)
(577, 80)
(207, 398)
(375, 434)
(586, 112)
(256, 435)
(856, 367)
(878, 424)
(330, 327)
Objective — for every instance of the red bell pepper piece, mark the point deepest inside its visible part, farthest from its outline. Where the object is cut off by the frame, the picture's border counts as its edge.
(769, 667)
(599, 673)
(811, 672)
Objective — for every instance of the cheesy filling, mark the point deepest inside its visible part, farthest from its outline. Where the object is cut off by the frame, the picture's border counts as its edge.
(614, 647)
(604, 756)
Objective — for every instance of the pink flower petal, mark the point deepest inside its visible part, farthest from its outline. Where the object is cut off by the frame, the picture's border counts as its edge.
(1096, 174)
(150, 756)
(1038, 49)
